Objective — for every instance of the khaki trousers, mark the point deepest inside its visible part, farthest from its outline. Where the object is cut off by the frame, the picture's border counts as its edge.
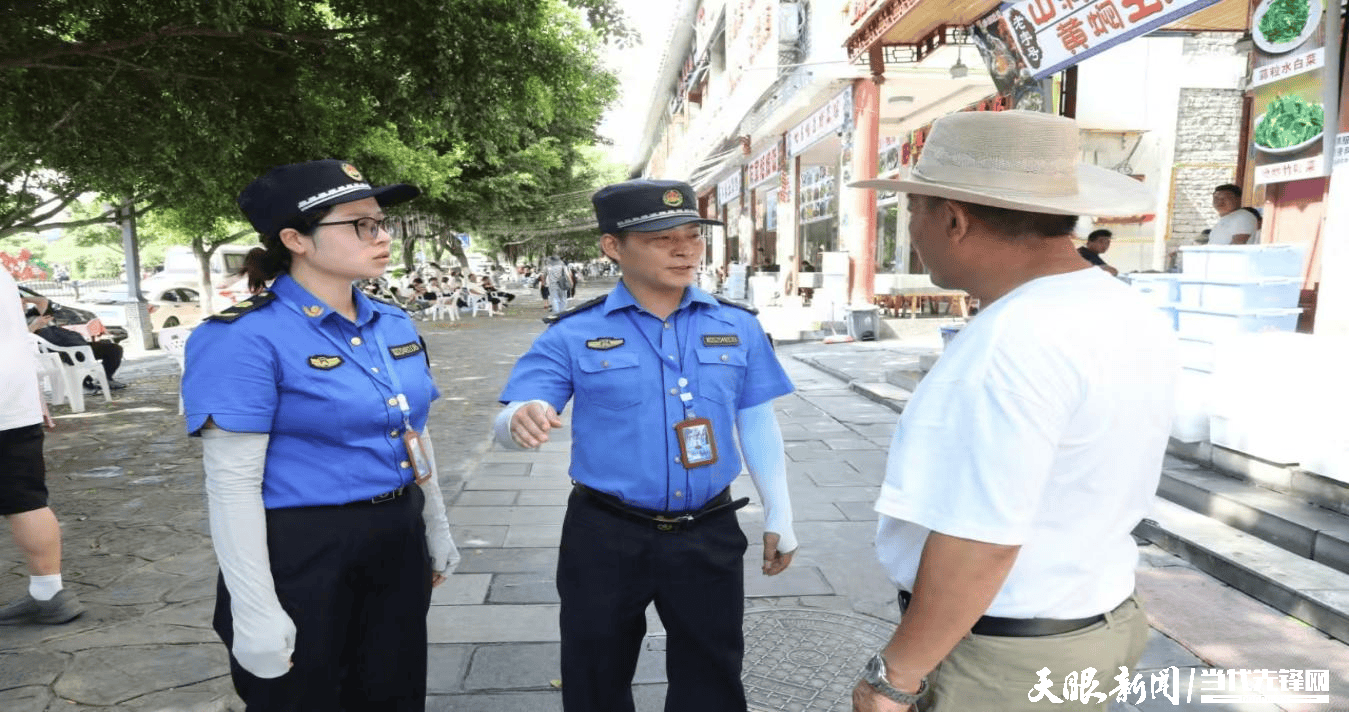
(998, 674)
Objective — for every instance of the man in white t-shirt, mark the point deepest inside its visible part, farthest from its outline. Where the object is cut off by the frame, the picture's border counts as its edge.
(1033, 448)
(1235, 226)
(23, 486)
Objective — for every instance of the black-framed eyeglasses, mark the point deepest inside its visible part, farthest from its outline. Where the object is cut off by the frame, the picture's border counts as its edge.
(366, 228)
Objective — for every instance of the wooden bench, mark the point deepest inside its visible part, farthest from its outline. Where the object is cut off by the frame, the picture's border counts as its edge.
(911, 300)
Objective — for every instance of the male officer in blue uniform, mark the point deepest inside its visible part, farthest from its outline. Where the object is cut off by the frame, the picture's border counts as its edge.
(664, 377)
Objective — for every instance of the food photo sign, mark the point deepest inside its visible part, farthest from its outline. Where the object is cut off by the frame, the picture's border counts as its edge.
(1294, 82)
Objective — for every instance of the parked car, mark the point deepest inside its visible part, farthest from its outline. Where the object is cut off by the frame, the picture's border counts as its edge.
(85, 322)
(181, 269)
(168, 307)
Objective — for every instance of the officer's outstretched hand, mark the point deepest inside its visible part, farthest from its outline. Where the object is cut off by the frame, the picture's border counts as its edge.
(774, 561)
(530, 424)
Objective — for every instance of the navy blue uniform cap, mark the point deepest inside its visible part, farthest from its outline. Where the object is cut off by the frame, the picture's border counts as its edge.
(277, 199)
(646, 206)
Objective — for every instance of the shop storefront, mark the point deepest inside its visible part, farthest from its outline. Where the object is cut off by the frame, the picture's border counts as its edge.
(731, 204)
(763, 177)
(816, 147)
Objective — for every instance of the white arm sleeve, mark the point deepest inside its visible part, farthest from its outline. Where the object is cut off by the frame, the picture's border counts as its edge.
(444, 554)
(264, 636)
(501, 428)
(761, 445)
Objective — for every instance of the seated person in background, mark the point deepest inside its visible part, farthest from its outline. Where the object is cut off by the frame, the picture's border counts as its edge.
(108, 354)
(473, 287)
(1097, 243)
(494, 293)
(1235, 226)
(433, 289)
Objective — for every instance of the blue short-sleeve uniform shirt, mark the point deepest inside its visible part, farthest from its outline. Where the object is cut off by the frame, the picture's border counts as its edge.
(320, 386)
(626, 370)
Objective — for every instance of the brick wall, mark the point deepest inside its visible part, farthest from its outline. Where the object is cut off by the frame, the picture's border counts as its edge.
(1208, 128)
(1210, 43)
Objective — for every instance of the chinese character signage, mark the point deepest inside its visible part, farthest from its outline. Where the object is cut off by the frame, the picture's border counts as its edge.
(1051, 35)
(751, 41)
(765, 165)
(729, 188)
(826, 120)
(1293, 89)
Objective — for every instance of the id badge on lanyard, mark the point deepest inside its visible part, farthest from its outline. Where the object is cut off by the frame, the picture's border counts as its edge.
(412, 440)
(697, 439)
(422, 467)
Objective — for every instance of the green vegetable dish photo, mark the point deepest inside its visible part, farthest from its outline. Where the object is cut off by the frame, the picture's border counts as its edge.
(1284, 21)
(1289, 121)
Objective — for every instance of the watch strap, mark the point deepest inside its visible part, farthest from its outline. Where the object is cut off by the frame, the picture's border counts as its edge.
(882, 684)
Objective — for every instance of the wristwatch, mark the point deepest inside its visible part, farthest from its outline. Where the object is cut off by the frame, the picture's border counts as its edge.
(874, 675)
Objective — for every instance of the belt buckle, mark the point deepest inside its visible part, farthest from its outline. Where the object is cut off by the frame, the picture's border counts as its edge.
(669, 524)
(386, 496)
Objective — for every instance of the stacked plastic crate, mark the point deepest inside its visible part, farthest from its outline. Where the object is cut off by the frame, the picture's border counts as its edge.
(1223, 291)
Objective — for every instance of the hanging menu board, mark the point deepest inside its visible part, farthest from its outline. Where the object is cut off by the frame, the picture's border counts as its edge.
(817, 194)
(1294, 82)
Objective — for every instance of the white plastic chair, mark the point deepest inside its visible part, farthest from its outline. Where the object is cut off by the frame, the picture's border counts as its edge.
(446, 308)
(82, 364)
(53, 378)
(478, 301)
(174, 342)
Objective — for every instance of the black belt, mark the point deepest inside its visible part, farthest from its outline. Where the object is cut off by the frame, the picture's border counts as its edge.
(389, 496)
(1020, 627)
(663, 521)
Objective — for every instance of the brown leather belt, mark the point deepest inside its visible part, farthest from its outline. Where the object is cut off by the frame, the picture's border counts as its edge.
(1019, 627)
(662, 521)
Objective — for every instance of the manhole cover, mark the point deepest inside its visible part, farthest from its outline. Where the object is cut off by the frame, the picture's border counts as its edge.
(807, 659)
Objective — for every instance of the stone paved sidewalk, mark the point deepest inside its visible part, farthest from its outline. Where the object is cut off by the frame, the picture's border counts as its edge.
(126, 484)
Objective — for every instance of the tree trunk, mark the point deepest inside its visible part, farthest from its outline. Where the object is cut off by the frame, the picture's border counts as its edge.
(409, 241)
(450, 241)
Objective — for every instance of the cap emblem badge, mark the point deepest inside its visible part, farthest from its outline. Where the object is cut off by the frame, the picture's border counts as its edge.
(674, 198)
(351, 172)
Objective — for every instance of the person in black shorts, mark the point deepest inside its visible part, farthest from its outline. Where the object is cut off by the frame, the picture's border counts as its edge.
(23, 485)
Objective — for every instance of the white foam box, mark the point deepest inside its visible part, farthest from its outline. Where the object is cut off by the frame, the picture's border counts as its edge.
(1223, 262)
(1159, 288)
(1213, 325)
(1195, 354)
(1169, 313)
(1190, 423)
(1232, 295)
(1275, 396)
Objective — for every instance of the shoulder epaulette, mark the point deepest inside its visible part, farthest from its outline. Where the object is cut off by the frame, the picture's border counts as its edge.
(555, 318)
(737, 305)
(247, 306)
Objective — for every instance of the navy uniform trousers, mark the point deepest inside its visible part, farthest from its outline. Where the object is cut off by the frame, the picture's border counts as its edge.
(356, 580)
(610, 568)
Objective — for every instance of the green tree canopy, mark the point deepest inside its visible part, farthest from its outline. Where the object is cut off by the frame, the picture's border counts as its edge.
(176, 104)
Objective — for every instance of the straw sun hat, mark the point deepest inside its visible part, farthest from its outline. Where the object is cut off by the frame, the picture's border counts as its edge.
(1020, 160)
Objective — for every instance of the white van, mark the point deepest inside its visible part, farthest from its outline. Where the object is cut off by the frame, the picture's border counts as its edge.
(181, 270)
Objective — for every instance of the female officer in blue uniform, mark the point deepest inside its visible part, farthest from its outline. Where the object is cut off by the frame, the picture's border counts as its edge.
(664, 377)
(311, 400)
